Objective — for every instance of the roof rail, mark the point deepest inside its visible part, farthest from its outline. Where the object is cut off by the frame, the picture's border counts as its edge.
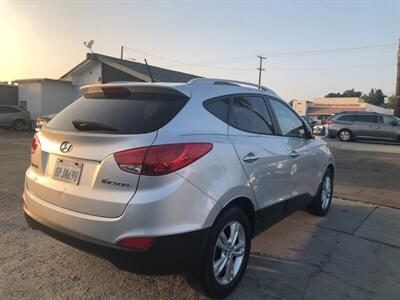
(227, 82)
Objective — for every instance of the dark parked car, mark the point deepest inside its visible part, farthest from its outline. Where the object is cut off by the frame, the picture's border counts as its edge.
(363, 125)
(14, 117)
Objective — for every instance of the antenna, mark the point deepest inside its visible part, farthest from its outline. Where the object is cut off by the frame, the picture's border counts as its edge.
(148, 70)
(89, 45)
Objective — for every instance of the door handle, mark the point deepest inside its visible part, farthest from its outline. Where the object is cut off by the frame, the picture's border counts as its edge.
(294, 154)
(250, 157)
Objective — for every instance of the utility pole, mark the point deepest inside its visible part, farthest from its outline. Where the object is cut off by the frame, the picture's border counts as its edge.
(397, 93)
(260, 69)
(122, 52)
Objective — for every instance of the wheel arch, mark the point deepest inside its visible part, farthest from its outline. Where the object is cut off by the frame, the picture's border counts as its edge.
(246, 205)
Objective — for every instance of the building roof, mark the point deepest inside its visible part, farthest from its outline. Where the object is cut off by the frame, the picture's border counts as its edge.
(136, 69)
(332, 109)
(35, 80)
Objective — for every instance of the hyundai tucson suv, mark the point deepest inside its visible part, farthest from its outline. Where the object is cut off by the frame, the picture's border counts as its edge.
(175, 177)
(363, 125)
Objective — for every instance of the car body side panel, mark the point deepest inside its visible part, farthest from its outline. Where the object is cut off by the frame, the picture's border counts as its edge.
(304, 169)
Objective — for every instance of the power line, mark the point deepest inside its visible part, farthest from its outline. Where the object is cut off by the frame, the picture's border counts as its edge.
(294, 53)
(334, 51)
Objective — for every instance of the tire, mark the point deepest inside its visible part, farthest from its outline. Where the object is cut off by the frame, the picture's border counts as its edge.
(322, 201)
(345, 135)
(19, 125)
(221, 284)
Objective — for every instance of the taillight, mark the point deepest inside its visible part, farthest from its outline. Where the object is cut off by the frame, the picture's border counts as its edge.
(138, 243)
(160, 159)
(328, 123)
(35, 143)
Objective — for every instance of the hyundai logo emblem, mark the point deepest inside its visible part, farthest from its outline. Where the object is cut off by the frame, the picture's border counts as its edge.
(65, 147)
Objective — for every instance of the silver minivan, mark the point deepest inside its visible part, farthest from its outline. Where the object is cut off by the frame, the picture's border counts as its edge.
(175, 177)
(363, 125)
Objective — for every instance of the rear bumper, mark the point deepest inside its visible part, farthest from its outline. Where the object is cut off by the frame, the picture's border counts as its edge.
(167, 254)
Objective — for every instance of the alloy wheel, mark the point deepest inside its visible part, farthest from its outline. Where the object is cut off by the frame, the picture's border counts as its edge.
(345, 135)
(229, 252)
(326, 192)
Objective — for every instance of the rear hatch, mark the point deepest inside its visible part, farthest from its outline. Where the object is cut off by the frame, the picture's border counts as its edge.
(73, 165)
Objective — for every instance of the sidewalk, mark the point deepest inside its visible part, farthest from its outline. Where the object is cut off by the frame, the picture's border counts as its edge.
(352, 253)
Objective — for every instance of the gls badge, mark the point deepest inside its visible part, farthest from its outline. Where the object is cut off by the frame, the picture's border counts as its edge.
(115, 183)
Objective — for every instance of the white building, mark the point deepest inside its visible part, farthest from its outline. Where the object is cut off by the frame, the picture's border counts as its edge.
(322, 108)
(43, 96)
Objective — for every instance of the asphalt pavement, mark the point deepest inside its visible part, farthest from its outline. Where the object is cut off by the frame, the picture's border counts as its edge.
(353, 252)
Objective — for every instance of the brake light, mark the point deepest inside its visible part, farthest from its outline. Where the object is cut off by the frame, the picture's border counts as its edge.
(35, 143)
(115, 92)
(138, 243)
(160, 159)
(328, 123)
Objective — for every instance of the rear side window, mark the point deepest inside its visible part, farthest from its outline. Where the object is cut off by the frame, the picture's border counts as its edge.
(365, 118)
(347, 118)
(250, 113)
(143, 114)
(219, 108)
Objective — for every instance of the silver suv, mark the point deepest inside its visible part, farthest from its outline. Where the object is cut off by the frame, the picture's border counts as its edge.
(165, 177)
(363, 125)
(14, 117)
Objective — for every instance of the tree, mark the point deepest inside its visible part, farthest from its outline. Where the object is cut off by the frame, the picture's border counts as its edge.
(392, 102)
(375, 97)
(346, 93)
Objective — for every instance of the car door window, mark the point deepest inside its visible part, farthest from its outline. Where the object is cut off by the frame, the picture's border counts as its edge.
(250, 113)
(365, 118)
(386, 120)
(7, 110)
(347, 118)
(290, 124)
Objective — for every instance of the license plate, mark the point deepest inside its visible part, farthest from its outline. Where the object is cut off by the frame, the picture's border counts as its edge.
(68, 171)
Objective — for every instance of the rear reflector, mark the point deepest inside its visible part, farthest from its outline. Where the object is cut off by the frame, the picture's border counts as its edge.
(35, 143)
(139, 243)
(160, 159)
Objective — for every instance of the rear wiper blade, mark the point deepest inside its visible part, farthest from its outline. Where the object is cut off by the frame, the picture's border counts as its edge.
(92, 126)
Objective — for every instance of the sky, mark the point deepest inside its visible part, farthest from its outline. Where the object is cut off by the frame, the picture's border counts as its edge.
(312, 47)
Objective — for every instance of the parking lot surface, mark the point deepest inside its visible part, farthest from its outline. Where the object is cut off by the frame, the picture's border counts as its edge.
(352, 253)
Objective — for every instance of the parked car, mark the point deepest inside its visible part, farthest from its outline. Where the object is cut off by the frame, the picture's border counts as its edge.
(363, 125)
(43, 120)
(14, 117)
(310, 121)
(165, 177)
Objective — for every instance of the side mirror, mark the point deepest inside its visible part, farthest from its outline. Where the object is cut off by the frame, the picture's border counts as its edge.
(306, 133)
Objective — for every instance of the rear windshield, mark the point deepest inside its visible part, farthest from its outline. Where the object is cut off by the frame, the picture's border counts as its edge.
(119, 116)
